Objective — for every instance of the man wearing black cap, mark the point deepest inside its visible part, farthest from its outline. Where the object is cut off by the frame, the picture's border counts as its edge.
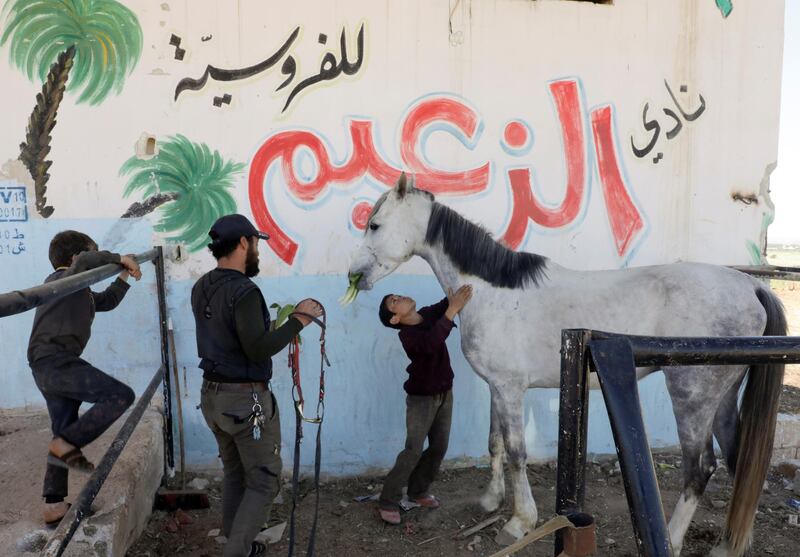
(235, 345)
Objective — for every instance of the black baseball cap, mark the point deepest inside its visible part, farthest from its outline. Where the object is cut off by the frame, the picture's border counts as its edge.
(233, 227)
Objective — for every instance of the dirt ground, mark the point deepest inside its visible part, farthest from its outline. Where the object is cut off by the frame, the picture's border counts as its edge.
(347, 527)
(23, 444)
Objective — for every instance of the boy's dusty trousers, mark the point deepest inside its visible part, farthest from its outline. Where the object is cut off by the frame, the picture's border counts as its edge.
(426, 416)
(66, 381)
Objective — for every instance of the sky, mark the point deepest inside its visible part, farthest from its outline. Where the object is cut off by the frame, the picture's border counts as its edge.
(785, 179)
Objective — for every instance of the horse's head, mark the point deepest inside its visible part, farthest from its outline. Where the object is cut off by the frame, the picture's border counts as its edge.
(395, 230)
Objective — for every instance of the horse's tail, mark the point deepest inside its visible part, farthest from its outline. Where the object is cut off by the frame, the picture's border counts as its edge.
(757, 418)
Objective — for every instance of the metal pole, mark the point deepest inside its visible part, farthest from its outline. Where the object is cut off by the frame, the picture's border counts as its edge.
(614, 364)
(169, 449)
(671, 351)
(573, 412)
(178, 403)
(770, 271)
(69, 524)
(20, 301)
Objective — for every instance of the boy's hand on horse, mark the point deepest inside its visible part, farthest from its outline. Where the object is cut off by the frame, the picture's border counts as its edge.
(131, 267)
(458, 300)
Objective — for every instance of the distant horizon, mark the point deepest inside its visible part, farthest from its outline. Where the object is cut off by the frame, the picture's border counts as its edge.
(778, 244)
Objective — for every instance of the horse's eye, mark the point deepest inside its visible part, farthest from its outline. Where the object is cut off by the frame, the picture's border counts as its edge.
(373, 226)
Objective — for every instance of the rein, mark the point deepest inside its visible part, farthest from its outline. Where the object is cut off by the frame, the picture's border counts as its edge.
(300, 417)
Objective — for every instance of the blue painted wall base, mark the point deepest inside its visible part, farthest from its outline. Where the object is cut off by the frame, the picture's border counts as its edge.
(365, 402)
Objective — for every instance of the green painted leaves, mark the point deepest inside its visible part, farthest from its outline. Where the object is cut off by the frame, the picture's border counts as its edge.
(200, 180)
(725, 6)
(106, 35)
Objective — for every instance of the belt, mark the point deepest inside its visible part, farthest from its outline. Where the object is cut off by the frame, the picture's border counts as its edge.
(237, 387)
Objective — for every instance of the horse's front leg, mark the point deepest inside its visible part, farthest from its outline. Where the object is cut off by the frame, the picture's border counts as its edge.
(496, 490)
(510, 409)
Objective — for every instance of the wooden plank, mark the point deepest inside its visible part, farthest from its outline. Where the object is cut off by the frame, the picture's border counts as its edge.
(478, 527)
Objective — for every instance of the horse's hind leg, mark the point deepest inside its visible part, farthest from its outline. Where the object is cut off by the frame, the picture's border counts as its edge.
(696, 394)
(726, 424)
(496, 490)
(699, 464)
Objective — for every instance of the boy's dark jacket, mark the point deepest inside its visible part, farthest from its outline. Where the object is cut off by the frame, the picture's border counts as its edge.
(429, 372)
(63, 326)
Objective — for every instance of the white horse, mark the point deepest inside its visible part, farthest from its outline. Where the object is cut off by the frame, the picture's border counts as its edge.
(511, 331)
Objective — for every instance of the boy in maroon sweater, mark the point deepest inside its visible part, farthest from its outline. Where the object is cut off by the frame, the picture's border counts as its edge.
(429, 400)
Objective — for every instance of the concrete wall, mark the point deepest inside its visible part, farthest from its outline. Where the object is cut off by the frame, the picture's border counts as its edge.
(600, 135)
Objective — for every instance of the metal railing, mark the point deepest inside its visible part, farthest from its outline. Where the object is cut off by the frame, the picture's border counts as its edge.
(19, 301)
(614, 358)
(775, 272)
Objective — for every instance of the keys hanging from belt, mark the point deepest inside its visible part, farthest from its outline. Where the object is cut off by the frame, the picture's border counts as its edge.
(257, 417)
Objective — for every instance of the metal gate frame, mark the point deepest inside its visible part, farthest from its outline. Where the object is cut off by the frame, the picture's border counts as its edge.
(614, 357)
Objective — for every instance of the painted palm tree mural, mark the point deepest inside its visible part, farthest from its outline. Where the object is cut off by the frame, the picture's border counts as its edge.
(83, 46)
(188, 183)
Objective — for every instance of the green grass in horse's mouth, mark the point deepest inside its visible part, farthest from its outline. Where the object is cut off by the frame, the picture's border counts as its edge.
(352, 290)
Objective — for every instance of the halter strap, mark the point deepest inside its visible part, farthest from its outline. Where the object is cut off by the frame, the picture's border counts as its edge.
(297, 396)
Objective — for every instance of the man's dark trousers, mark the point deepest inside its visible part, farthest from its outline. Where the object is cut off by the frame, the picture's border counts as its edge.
(252, 467)
(66, 381)
(426, 416)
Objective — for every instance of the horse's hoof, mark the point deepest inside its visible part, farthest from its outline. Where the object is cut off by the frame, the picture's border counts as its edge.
(504, 538)
(510, 533)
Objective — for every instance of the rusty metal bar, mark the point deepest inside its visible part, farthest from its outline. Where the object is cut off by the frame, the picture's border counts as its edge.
(20, 301)
(612, 360)
(161, 288)
(770, 271)
(572, 425)
(615, 358)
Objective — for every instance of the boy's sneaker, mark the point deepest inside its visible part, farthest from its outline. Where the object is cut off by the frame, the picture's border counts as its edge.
(429, 502)
(390, 516)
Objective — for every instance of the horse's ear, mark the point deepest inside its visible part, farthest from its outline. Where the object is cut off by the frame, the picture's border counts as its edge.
(402, 185)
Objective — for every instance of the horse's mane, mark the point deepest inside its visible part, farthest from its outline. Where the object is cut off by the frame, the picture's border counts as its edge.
(473, 251)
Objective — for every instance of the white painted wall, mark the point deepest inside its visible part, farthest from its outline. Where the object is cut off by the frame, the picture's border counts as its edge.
(498, 60)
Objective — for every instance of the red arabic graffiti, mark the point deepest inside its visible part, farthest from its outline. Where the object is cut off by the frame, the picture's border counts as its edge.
(566, 96)
(364, 160)
(626, 222)
(360, 215)
(625, 219)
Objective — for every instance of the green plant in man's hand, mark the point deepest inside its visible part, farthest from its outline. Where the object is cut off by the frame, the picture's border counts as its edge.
(282, 314)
